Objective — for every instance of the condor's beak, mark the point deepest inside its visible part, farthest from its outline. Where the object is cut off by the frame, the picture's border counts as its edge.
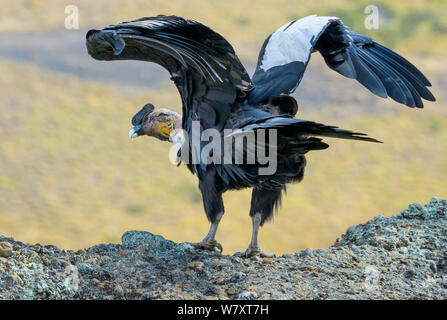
(135, 131)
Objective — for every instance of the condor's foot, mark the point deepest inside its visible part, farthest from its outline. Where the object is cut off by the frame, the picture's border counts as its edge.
(254, 252)
(212, 245)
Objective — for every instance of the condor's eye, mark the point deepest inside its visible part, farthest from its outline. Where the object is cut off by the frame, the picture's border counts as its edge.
(162, 118)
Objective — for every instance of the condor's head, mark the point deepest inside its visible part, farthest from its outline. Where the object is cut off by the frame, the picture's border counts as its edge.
(161, 124)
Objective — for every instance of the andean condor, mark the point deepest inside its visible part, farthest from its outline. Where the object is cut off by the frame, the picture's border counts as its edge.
(217, 93)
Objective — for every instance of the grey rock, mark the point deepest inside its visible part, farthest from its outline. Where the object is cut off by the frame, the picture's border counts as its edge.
(146, 239)
(305, 252)
(248, 295)
(237, 276)
(397, 257)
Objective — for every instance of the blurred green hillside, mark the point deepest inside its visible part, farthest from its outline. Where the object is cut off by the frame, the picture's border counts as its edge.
(410, 26)
(70, 176)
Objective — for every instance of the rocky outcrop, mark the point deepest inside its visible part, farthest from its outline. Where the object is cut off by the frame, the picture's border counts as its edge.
(398, 257)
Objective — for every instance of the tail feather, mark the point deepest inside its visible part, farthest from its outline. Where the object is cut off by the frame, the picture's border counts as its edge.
(297, 128)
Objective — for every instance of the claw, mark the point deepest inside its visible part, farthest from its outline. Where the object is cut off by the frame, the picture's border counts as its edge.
(255, 252)
(219, 246)
(212, 245)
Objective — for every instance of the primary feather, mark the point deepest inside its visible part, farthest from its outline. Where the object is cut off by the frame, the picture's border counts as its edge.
(286, 52)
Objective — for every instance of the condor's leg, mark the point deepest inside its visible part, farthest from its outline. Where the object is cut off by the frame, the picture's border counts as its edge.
(263, 202)
(214, 209)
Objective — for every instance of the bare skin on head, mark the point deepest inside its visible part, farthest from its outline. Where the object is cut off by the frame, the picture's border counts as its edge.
(162, 124)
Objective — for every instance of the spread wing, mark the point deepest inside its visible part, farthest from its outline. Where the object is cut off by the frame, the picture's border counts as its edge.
(286, 53)
(203, 65)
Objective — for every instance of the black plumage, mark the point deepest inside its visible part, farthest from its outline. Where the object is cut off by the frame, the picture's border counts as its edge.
(355, 56)
(217, 92)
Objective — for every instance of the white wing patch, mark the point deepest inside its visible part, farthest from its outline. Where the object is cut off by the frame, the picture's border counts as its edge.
(293, 41)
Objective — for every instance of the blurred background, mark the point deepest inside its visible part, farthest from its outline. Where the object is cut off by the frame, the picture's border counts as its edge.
(70, 176)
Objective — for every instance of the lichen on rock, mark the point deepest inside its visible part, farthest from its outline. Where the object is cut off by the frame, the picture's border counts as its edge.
(399, 257)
